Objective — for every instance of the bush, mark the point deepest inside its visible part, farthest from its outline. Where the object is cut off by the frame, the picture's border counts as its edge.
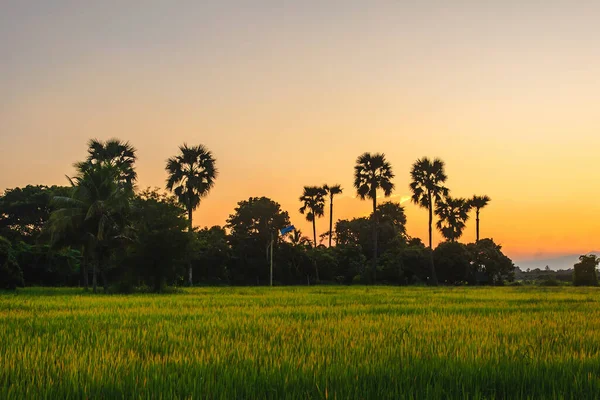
(549, 282)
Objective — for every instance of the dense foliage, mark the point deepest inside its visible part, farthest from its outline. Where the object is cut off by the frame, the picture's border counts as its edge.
(584, 273)
(102, 231)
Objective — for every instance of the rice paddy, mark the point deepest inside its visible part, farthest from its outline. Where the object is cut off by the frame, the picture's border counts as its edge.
(302, 342)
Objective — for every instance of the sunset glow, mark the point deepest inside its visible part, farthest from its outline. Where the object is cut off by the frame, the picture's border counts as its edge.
(288, 95)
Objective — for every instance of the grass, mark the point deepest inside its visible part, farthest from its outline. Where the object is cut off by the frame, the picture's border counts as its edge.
(318, 342)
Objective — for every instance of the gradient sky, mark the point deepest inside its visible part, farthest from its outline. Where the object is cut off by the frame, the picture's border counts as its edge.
(289, 93)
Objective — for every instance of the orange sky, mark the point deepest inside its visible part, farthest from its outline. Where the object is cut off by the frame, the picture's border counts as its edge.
(289, 94)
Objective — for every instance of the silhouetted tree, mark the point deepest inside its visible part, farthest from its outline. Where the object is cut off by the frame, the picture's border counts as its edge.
(392, 219)
(11, 275)
(115, 153)
(373, 172)
(252, 225)
(160, 252)
(453, 215)
(332, 191)
(212, 255)
(584, 273)
(25, 211)
(453, 263)
(192, 175)
(297, 239)
(479, 202)
(313, 205)
(96, 211)
(488, 262)
(428, 178)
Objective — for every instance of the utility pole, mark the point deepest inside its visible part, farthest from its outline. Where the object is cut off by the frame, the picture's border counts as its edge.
(271, 274)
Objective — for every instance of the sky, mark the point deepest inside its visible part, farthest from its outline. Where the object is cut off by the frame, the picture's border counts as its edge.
(289, 93)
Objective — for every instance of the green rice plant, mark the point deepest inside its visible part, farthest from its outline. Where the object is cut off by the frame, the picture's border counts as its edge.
(302, 342)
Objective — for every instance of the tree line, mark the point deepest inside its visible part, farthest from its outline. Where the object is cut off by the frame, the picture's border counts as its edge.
(102, 228)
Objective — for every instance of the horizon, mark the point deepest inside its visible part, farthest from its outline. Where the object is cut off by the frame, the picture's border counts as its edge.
(289, 95)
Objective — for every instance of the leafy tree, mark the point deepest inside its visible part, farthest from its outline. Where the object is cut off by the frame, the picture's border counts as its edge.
(96, 212)
(351, 262)
(356, 232)
(212, 255)
(392, 265)
(373, 172)
(584, 273)
(252, 226)
(392, 220)
(10, 273)
(416, 262)
(453, 263)
(43, 265)
(488, 262)
(192, 175)
(292, 264)
(25, 211)
(161, 249)
(332, 191)
(324, 264)
(428, 178)
(313, 204)
(453, 214)
(115, 153)
(479, 202)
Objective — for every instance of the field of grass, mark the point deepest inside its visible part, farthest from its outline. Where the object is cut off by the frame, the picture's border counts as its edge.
(318, 342)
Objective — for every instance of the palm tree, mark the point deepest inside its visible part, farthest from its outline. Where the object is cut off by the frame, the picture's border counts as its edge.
(479, 202)
(428, 178)
(95, 213)
(192, 175)
(298, 239)
(313, 199)
(453, 214)
(332, 191)
(113, 152)
(373, 172)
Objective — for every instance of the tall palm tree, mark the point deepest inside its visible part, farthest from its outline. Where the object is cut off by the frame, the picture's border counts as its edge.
(479, 202)
(313, 205)
(192, 174)
(428, 178)
(332, 191)
(113, 152)
(95, 212)
(453, 215)
(373, 172)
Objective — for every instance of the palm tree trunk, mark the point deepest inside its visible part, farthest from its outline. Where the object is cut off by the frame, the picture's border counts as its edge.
(314, 230)
(430, 221)
(434, 280)
(190, 230)
(104, 279)
(477, 223)
(330, 220)
(84, 266)
(375, 233)
(95, 277)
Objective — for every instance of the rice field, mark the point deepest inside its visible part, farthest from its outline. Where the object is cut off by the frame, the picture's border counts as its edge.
(302, 343)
